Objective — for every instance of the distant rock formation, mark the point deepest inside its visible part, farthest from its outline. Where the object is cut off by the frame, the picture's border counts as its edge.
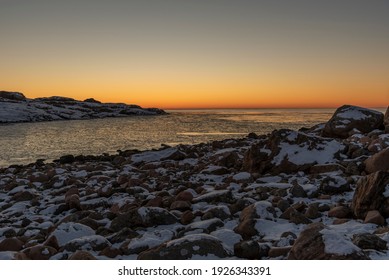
(15, 107)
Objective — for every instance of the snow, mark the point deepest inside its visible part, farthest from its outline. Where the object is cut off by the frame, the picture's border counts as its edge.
(228, 237)
(68, 231)
(355, 113)
(337, 243)
(272, 230)
(152, 156)
(242, 176)
(151, 239)
(386, 192)
(261, 208)
(191, 238)
(298, 155)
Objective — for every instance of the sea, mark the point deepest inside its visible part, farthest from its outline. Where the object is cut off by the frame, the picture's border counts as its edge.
(24, 143)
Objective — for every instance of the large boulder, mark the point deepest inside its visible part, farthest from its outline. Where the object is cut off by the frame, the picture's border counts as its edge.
(378, 162)
(186, 248)
(318, 242)
(348, 119)
(288, 151)
(371, 193)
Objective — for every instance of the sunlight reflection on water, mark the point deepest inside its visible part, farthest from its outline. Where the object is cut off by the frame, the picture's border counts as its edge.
(27, 142)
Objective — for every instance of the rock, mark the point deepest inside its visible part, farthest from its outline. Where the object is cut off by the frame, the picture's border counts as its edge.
(369, 194)
(312, 212)
(89, 243)
(187, 217)
(326, 168)
(287, 151)
(340, 212)
(374, 217)
(82, 255)
(251, 250)
(23, 196)
(297, 191)
(66, 159)
(11, 244)
(144, 217)
(184, 196)
(347, 119)
(368, 241)
(316, 242)
(378, 162)
(221, 212)
(334, 185)
(16, 96)
(298, 218)
(386, 120)
(262, 209)
(276, 252)
(207, 226)
(180, 205)
(73, 202)
(40, 252)
(215, 196)
(186, 248)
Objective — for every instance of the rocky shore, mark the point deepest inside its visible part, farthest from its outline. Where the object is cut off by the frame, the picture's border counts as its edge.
(15, 107)
(316, 193)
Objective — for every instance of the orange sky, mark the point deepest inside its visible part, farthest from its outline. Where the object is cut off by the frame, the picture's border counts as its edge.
(222, 54)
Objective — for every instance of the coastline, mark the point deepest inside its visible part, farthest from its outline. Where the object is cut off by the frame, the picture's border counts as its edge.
(259, 197)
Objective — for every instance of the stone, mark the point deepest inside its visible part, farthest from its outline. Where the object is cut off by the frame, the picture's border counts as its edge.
(378, 162)
(73, 202)
(386, 120)
(11, 244)
(186, 248)
(369, 194)
(312, 212)
(82, 255)
(40, 252)
(180, 205)
(93, 242)
(297, 191)
(311, 246)
(276, 252)
(334, 185)
(326, 168)
(340, 212)
(221, 212)
(66, 159)
(348, 119)
(10, 95)
(370, 241)
(374, 217)
(287, 151)
(251, 250)
(184, 196)
(298, 218)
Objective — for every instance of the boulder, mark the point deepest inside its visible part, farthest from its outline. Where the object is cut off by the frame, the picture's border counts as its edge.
(318, 242)
(288, 151)
(370, 241)
(186, 248)
(370, 194)
(349, 119)
(374, 217)
(40, 252)
(251, 250)
(11, 244)
(16, 96)
(378, 162)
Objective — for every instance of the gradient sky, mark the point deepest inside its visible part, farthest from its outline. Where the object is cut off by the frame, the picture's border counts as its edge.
(198, 53)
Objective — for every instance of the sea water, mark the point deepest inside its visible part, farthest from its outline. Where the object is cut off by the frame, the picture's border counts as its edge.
(24, 143)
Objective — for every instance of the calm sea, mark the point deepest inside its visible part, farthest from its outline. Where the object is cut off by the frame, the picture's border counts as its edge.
(26, 142)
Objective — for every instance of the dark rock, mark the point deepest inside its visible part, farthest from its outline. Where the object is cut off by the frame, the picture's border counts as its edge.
(310, 246)
(297, 191)
(369, 194)
(40, 252)
(11, 244)
(340, 212)
(186, 247)
(250, 249)
(374, 217)
(93, 242)
(334, 185)
(16, 96)
(348, 118)
(82, 255)
(276, 252)
(369, 241)
(298, 218)
(66, 159)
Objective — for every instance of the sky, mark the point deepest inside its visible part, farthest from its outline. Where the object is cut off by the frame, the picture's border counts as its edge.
(198, 53)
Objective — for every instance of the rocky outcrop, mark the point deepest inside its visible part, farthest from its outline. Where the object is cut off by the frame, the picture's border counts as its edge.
(372, 193)
(348, 120)
(318, 242)
(15, 107)
(291, 151)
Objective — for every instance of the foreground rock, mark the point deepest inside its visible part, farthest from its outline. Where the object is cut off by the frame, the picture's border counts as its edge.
(15, 107)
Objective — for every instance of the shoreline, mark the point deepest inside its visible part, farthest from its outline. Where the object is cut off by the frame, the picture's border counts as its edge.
(259, 197)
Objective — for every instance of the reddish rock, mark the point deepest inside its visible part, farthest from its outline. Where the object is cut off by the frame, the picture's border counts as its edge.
(180, 205)
(340, 221)
(52, 242)
(378, 162)
(82, 255)
(276, 252)
(340, 212)
(184, 196)
(73, 202)
(11, 244)
(374, 217)
(369, 194)
(187, 217)
(155, 202)
(110, 252)
(40, 252)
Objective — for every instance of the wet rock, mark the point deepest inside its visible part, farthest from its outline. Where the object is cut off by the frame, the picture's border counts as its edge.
(317, 242)
(369, 241)
(348, 118)
(186, 248)
(378, 162)
(369, 194)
